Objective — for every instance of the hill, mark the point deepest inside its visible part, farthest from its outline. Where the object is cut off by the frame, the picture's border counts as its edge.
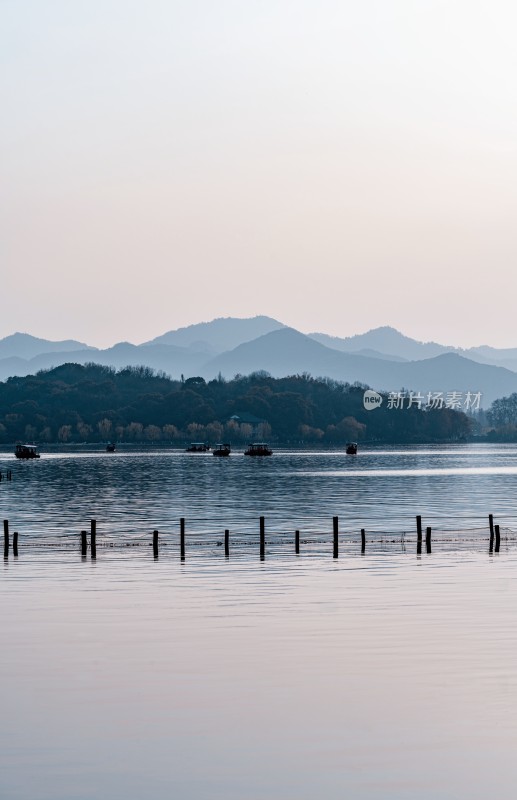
(224, 333)
(75, 403)
(385, 340)
(25, 346)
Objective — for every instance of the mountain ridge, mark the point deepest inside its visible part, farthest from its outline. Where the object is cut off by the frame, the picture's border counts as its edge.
(24, 345)
(387, 340)
(383, 357)
(224, 332)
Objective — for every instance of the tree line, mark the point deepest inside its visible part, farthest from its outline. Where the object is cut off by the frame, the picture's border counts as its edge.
(93, 403)
(501, 420)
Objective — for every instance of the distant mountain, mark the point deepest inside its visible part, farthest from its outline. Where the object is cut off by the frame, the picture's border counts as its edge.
(166, 358)
(385, 340)
(382, 358)
(366, 351)
(452, 372)
(281, 352)
(15, 366)
(170, 359)
(499, 354)
(287, 351)
(219, 335)
(504, 357)
(23, 345)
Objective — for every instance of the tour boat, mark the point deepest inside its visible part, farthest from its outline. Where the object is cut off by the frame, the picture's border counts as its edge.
(26, 451)
(258, 449)
(222, 450)
(198, 447)
(351, 449)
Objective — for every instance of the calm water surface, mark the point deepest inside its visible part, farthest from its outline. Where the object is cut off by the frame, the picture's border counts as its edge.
(384, 675)
(380, 490)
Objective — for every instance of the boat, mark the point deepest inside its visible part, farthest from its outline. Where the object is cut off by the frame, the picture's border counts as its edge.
(198, 447)
(26, 451)
(351, 449)
(222, 450)
(258, 449)
(110, 448)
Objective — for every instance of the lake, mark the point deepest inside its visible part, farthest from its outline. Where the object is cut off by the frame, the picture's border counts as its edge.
(379, 675)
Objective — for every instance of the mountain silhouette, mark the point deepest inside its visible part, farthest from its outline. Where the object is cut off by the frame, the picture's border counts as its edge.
(382, 358)
(224, 333)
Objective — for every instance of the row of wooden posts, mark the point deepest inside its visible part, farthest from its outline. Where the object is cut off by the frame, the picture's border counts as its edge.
(495, 535)
(8, 475)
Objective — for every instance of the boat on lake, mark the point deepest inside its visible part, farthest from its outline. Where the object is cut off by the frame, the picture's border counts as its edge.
(258, 449)
(351, 449)
(110, 448)
(198, 447)
(222, 450)
(26, 451)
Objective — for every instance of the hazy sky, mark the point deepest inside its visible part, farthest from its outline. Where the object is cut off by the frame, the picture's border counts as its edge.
(337, 165)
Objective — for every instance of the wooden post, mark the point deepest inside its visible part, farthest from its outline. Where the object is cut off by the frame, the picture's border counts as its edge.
(363, 540)
(15, 544)
(262, 539)
(93, 538)
(497, 538)
(491, 525)
(227, 543)
(419, 528)
(182, 538)
(335, 526)
(297, 542)
(155, 544)
(6, 538)
(84, 544)
(428, 540)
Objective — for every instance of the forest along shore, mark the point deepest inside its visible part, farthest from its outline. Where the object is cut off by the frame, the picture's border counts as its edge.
(76, 404)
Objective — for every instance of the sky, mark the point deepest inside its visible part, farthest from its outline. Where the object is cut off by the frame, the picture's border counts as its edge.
(336, 165)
